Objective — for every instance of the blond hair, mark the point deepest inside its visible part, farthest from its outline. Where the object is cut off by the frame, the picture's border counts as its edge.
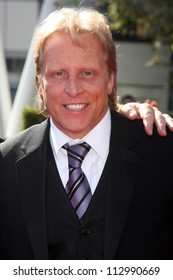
(74, 22)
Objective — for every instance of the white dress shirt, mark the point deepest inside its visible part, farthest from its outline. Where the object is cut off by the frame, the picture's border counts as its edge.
(98, 138)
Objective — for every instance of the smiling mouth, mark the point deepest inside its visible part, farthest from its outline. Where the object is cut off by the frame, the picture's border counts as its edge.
(76, 107)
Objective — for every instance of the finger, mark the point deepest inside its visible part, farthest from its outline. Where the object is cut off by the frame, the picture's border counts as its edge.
(144, 111)
(147, 114)
(147, 101)
(169, 121)
(154, 103)
(129, 110)
(148, 124)
(160, 122)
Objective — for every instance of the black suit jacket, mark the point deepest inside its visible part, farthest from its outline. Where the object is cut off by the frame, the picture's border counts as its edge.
(139, 208)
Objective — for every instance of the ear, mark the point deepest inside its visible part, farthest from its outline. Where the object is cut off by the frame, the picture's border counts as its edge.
(40, 88)
(111, 82)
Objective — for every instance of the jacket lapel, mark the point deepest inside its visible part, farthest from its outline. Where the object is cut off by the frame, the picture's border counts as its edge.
(124, 166)
(30, 170)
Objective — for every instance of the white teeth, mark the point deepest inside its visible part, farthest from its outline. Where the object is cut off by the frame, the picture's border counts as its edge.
(75, 107)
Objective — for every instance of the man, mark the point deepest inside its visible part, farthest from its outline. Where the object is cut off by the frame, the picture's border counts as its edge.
(127, 98)
(123, 208)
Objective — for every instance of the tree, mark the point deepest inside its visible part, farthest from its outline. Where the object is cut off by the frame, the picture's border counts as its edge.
(141, 20)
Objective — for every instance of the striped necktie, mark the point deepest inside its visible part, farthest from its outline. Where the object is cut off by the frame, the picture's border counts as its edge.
(77, 188)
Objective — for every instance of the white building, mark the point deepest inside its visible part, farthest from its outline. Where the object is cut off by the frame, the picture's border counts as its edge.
(17, 23)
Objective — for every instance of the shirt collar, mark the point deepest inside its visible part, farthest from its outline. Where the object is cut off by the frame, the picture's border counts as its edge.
(95, 138)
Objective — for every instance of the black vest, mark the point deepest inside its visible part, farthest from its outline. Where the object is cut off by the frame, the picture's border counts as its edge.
(68, 238)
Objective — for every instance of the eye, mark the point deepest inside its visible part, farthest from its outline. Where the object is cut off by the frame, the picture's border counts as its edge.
(87, 74)
(59, 73)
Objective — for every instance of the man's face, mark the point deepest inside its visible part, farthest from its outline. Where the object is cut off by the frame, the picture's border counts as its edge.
(75, 83)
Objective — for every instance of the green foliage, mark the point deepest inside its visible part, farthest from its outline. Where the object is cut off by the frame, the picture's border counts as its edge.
(63, 3)
(141, 19)
(31, 116)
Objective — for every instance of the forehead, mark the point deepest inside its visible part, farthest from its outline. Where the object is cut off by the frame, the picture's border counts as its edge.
(61, 42)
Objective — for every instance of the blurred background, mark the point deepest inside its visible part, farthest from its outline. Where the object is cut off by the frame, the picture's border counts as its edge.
(143, 34)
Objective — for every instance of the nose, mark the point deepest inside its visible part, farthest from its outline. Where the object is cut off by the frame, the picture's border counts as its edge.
(73, 86)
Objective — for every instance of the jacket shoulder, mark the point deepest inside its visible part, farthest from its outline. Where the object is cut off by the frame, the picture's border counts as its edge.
(133, 131)
(31, 136)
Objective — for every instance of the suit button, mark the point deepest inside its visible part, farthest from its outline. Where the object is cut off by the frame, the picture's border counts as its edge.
(85, 232)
